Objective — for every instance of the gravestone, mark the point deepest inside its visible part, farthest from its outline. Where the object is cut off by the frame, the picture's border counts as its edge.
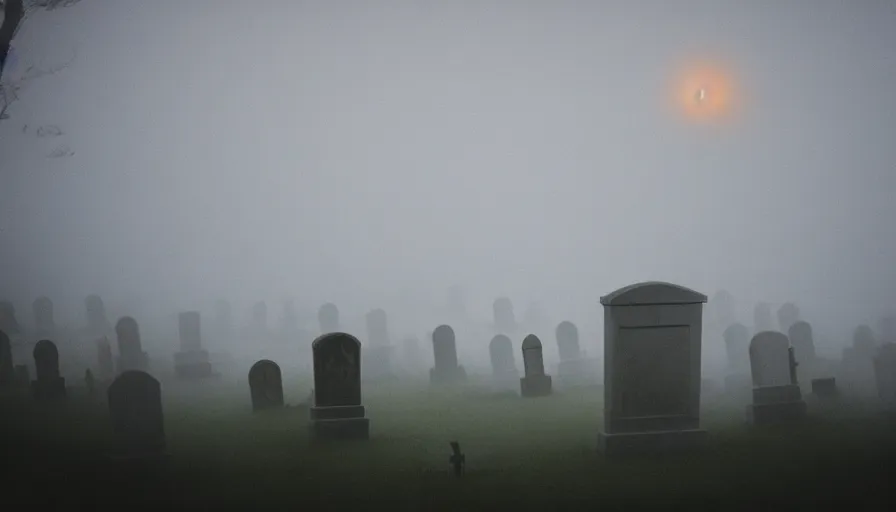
(266, 385)
(337, 410)
(378, 356)
(776, 392)
(8, 322)
(48, 386)
(574, 368)
(328, 318)
(192, 362)
(885, 374)
(7, 372)
(130, 349)
(652, 362)
(825, 388)
(535, 382)
(762, 318)
(503, 316)
(737, 346)
(788, 314)
(135, 407)
(104, 359)
(504, 371)
(97, 323)
(446, 370)
(44, 325)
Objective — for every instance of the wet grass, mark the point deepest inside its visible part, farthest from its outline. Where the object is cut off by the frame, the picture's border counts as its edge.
(530, 454)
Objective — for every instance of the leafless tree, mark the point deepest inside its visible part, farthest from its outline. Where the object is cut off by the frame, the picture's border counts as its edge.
(15, 13)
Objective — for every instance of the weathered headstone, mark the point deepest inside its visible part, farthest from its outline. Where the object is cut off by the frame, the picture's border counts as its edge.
(504, 371)
(762, 318)
(337, 410)
(788, 314)
(378, 356)
(573, 367)
(534, 382)
(192, 362)
(446, 370)
(776, 391)
(8, 322)
(48, 384)
(652, 363)
(328, 318)
(885, 373)
(135, 407)
(825, 388)
(44, 325)
(266, 385)
(7, 372)
(130, 349)
(504, 318)
(104, 359)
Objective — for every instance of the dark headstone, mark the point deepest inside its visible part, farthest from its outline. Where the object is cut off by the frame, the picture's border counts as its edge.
(337, 410)
(445, 370)
(536, 382)
(135, 406)
(48, 384)
(266, 385)
(800, 334)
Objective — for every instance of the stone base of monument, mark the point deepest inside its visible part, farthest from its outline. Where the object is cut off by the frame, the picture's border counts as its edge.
(48, 390)
(193, 364)
(536, 385)
(776, 404)
(441, 376)
(652, 443)
(136, 362)
(340, 422)
(580, 372)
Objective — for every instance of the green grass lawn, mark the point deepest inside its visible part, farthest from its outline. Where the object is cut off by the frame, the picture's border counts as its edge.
(530, 454)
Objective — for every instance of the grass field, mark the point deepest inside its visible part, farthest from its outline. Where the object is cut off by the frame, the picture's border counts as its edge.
(537, 454)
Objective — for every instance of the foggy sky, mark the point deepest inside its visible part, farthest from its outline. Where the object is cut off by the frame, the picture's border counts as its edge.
(341, 151)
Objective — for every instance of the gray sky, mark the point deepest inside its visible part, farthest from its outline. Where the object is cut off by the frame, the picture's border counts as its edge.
(362, 152)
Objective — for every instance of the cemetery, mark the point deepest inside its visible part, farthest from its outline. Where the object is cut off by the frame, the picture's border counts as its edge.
(275, 434)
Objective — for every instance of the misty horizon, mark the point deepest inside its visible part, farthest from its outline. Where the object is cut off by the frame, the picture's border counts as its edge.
(374, 156)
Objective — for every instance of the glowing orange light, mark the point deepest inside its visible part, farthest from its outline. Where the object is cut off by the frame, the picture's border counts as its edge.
(704, 92)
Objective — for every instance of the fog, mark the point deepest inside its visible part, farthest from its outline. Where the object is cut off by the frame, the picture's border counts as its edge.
(373, 156)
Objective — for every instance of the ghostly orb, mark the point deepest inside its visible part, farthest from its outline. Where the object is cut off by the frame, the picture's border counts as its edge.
(703, 91)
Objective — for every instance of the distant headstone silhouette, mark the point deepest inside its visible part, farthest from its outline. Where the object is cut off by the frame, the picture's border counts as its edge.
(328, 318)
(135, 407)
(379, 352)
(8, 322)
(776, 393)
(446, 369)
(192, 362)
(44, 325)
(130, 349)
